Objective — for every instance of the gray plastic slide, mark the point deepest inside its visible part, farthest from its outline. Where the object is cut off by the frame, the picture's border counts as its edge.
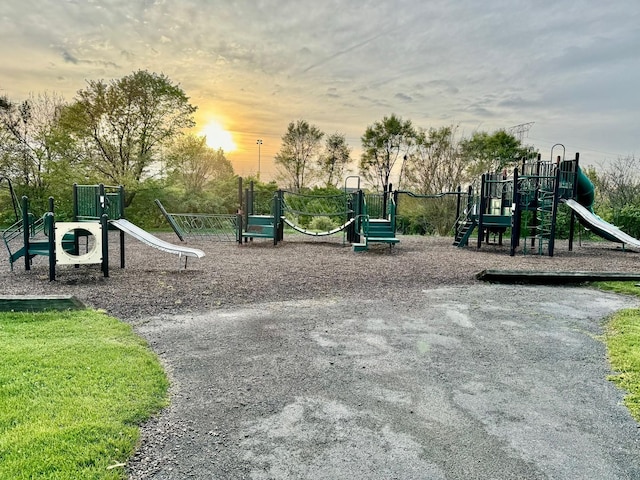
(153, 241)
(600, 227)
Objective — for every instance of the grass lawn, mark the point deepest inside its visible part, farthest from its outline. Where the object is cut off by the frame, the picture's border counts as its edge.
(623, 344)
(74, 386)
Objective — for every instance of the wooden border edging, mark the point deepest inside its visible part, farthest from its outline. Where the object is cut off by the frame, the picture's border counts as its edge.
(549, 277)
(39, 303)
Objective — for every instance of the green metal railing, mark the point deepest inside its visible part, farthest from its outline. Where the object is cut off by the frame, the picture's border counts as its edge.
(90, 202)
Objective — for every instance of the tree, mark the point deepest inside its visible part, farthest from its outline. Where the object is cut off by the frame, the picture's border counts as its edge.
(123, 124)
(194, 164)
(383, 143)
(31, 142)
(35, 153)
(435, 164)
(300, 145)
(337, 155)
(621, 183)
(494, 152)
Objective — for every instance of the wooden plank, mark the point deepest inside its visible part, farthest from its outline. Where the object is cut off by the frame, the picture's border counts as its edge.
(551, 277)
(39, 303)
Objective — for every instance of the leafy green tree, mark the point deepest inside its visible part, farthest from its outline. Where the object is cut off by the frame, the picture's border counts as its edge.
(335, 158)
(123, 124)
(300, 146)
(484, 152)
(621, 182)
(383, 144)
(30, 138)
(193, 164)
(35, 154)
(618, 193)
(435, 164)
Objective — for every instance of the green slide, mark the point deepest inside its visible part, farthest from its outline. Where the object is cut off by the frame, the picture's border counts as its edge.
(586, 191)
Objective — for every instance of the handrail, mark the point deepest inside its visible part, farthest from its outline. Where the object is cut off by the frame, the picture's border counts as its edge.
(170, 220)
(306, 195)
(433, 195)
(364, 219)
(391, 212)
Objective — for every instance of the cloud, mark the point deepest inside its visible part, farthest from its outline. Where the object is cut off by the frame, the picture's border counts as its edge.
(403, 97)
(67, 57)
(491, 63)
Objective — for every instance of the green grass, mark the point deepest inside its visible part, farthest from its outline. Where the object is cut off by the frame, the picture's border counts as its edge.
(74, 386)
(623, 344)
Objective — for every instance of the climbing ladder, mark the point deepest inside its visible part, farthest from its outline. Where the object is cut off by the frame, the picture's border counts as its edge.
(544, 210)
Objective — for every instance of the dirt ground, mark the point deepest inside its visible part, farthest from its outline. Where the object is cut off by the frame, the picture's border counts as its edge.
(307, 360)
(300, 267)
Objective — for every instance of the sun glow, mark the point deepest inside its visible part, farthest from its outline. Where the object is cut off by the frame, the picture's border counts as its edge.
(218, 137)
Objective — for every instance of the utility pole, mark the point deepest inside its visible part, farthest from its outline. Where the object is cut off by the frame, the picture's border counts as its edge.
(259, 142)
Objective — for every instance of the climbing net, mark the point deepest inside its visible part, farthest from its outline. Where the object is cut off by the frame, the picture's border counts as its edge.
(317, 215)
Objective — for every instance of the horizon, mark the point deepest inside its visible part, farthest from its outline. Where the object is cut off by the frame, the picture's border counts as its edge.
(571, 70)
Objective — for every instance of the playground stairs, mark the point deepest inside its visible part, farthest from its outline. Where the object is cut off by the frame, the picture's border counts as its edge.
(38, 241)
(14, 236)
(376, 231)
(464, 231)
(259, 226)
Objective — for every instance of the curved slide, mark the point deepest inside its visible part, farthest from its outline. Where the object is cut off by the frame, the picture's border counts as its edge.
(153, 241)
(584, 209)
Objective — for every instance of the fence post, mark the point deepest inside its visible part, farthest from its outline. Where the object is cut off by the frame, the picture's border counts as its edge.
(26, 228)
(51, 232)
(104, 222)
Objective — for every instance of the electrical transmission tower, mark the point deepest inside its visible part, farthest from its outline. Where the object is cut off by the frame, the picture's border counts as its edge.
(520, 131)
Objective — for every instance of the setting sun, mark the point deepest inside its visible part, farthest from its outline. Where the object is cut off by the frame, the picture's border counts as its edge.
(218, 137)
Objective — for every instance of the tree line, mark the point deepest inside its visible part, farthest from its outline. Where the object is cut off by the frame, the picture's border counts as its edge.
(132, 131)
(129, 131)
(424, 160)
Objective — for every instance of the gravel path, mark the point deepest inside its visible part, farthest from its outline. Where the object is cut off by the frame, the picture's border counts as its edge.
(307, 360)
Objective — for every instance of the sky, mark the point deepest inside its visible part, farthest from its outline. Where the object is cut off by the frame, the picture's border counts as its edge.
(571, 70)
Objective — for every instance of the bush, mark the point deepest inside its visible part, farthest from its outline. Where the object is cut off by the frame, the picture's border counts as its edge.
(322, 224)
(426, 216)
(628, 220)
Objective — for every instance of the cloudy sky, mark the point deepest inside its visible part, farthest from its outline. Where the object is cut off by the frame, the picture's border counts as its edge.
(571, 67)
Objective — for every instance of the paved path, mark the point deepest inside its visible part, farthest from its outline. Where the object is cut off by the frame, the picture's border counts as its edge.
(489, 382)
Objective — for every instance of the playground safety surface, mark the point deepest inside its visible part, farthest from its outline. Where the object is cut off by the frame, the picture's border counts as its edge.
(309, 361)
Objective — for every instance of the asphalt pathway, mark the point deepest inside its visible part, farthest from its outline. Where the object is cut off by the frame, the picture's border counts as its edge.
(488, 382)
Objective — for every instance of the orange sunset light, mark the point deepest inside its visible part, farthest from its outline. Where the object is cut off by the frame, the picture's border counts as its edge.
(218, 137)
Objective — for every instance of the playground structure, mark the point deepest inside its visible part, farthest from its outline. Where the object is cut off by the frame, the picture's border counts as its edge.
(524, 204)
(217, 227)
(96, 210)
(527, 202)
(358, 216)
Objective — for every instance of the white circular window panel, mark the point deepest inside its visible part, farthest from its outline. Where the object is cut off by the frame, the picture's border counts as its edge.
(91, 252)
